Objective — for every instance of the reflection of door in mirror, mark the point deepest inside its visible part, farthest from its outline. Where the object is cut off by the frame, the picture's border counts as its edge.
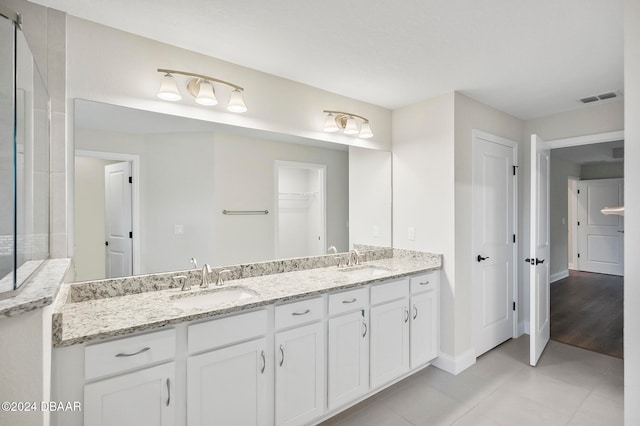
(117, 220)
(103, 217)
(301, 213)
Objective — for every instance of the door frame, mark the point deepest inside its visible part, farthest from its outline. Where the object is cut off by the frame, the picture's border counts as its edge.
(572, 263)
(479, 134)
(134, 159)
(276, 212)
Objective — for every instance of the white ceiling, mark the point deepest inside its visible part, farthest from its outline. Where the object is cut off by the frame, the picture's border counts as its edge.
(589, 154)
(527, 58)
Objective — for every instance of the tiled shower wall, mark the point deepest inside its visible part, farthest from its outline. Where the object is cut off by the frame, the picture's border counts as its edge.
(45, 31)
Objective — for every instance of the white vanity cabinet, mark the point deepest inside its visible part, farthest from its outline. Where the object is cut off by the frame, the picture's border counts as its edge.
(229, 385)
(424, 318)
(389, 331)
(348, 346)
(299, 362)
(145, 396)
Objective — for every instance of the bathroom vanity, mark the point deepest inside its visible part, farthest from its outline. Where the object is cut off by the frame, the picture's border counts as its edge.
(286, 348)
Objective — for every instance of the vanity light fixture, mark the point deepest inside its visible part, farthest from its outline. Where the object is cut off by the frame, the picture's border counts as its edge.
(346, 121)
(201, 88)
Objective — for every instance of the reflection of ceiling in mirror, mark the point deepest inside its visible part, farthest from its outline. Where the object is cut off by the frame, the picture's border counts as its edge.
(115, 118)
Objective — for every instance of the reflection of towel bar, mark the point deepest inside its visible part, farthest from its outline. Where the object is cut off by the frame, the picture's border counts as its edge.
(245, 211)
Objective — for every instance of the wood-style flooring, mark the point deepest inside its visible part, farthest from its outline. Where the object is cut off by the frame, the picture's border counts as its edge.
(586, 311)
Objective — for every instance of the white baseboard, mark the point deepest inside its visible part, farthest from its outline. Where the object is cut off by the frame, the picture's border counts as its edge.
(455, 365)
(560, 275)
(525, 327)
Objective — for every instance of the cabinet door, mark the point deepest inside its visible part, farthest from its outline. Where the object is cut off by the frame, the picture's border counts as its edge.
(348, 358)
(228, 386)
(389, 341)
(300, 384)
(142, 398)
(424, 328)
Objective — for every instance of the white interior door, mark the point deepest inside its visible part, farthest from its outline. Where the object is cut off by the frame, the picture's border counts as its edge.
(493, 243)
(600, 236)
(117, 200)
(539, 309)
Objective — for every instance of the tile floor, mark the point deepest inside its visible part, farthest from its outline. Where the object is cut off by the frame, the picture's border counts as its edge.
(570, 386)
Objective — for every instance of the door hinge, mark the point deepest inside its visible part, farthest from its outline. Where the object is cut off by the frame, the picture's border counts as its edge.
(514, 170)
(578, 223)
(130, 234)
(130, 179)
(514, 306)
(578, 254)
(514, 238)
(578, 191)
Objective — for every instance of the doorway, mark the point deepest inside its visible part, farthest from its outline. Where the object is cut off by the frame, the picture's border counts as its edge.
(300, 209)
(107, 194)
(494, 247)
(539, 306)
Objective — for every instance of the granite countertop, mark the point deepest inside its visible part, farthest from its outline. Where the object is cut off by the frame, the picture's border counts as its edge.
(39, 291)
(87, 320)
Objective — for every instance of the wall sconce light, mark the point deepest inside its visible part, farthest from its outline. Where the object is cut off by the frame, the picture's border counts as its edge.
(201, 88)
(346, 121)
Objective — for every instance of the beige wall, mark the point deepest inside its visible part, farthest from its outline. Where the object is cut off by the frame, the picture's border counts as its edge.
(632, 208)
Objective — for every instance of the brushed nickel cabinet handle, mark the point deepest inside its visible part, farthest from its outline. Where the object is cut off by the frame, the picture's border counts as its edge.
(425, 283)
(301, 313)
(168, 392)
(121, 355)
(282, 353)
(264, 362)
(365, 328)
(349, 301)
(406, 314)
(415, 312)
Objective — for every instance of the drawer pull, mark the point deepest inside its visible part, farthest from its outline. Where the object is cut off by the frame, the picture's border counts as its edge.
(168, 392)
(349, 301)
(302, 313)
(282, 353)
(264, 362)
(121, 355)
(425, 283)
(415, 312)
(365, 328)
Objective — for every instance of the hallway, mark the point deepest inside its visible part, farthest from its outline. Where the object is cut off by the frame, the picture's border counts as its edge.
(587, 312)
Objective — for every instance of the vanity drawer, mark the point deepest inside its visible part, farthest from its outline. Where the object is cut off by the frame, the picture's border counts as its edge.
(424, 282)
(297, 313)
(225, 331)
(347, 301)
(389, 291)
(124, 354)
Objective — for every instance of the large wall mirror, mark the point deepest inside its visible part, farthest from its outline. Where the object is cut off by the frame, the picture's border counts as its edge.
(24, 160)
(220, 194)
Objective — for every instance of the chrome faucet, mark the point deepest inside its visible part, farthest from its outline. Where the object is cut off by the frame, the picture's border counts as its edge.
(220, 279)
(354, 257)
(206, 270)
(194, 262)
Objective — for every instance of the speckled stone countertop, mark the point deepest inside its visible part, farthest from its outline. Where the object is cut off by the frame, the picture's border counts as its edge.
(39, 291)
(82, 319)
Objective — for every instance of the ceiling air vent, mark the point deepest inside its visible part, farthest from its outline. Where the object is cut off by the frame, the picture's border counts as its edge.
(601, 97)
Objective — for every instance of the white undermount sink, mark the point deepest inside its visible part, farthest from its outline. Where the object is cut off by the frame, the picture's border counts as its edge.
(213, 297)
(367, 271)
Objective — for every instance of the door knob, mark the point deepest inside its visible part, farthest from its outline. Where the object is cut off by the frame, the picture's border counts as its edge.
(480, 258)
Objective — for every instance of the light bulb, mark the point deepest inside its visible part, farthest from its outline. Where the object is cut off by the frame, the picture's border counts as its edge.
(169, 89)
(351, 127)
(365, 131)
(330, 124)
(236, 102)
(206, 94)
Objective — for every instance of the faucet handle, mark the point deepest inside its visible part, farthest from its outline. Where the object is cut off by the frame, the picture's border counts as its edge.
(182, 281)
(220, 279)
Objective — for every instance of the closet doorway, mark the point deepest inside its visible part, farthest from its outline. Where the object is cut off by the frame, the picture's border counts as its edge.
(300, 209)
